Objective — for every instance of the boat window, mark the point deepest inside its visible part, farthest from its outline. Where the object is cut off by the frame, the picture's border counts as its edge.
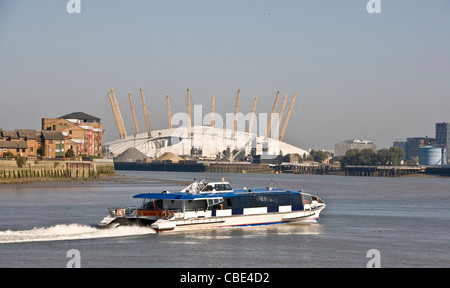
(265, 200)
(214, 201)
(196, 205)
(152, 205)
(222, 187)
(208, 188)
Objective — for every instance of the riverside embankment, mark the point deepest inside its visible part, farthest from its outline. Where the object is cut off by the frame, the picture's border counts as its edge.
(43, 170)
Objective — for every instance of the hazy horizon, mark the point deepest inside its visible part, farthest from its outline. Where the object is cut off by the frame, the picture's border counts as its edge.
(381, 77)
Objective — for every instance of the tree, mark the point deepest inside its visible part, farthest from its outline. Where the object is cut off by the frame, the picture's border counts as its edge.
(383, 156)
(397, 155)
(359, 157)
(21, 161)
(70, 154)
(41, 151)
(318, 156)
(367, 157)
(8, 155)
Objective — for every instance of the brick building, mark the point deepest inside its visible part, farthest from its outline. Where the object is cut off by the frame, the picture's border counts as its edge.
(83, 133)
(19, 142)
(78, 131)
(53, 143)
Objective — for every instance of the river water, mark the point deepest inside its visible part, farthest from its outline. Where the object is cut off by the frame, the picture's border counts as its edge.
(407, 220)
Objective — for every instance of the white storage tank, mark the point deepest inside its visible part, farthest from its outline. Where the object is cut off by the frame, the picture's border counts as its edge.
(431, 156)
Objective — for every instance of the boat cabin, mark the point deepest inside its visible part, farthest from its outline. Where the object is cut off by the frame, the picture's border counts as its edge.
(217, 187)
(211, 187)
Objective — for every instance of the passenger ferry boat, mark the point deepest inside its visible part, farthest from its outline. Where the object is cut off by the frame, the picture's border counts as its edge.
(214, 205)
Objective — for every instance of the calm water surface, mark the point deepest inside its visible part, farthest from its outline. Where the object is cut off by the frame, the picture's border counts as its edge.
(406, 219)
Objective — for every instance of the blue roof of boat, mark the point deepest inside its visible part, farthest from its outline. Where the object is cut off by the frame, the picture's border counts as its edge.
(180, 196)
(188, 196)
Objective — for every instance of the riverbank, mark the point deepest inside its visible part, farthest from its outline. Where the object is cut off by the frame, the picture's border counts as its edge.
(51, 171)
(118, 178)
(104, 177)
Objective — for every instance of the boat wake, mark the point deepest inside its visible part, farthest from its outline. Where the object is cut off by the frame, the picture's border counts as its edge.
(70, 232)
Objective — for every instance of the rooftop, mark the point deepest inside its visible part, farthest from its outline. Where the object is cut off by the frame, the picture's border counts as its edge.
(86, 118)
(52, 135)
(13, 145)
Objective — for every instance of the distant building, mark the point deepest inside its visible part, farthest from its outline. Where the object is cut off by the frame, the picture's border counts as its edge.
(292, 158)
(443, 138)
(53, 143)
(400, 144)
(19, 142)
(413, 145)
(83, 133)
(342, 148)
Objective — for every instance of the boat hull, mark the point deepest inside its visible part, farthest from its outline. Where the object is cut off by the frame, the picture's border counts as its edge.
(247, 220)
(193, 223)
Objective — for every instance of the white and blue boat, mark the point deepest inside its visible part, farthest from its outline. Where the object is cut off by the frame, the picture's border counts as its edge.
(204, 205)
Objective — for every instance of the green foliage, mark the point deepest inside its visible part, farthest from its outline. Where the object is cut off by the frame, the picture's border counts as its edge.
(21, 161)
(70, 154)
(367, 157)
(8, 155)
(318, 156)
(41, 151)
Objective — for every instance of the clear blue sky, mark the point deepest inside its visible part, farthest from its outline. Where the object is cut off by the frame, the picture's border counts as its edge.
(380, 77)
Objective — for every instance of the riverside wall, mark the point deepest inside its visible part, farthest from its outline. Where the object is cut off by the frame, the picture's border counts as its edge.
(35, 169)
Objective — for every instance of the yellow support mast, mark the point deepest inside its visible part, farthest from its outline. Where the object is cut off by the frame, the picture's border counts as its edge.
(134, 114)
(250, 126)
(269, 126)
(287, 118)
(115, 115)
(277, 128)
(144, 107)
(189, 112)
(236, 110)
(169, 112)
(119, 115)
(212, 113)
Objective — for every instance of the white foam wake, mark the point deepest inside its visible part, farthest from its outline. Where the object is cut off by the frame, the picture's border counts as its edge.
(70, 232)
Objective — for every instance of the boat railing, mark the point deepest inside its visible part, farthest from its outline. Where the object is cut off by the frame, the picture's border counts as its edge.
(123, 211)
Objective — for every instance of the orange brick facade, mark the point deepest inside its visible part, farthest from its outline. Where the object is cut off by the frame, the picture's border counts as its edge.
(83, 133)
(19, 143)
(77, 131)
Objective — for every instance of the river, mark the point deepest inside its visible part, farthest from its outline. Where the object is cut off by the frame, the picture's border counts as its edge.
(406, 220)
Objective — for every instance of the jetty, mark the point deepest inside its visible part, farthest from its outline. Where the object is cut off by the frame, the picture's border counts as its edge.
(382, 171)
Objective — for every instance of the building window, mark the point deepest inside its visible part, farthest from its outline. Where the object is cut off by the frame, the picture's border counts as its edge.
(50, 141)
